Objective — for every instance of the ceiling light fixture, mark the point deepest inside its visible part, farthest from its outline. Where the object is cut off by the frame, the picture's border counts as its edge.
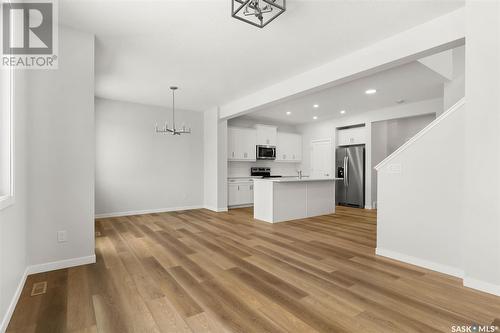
(257, 12)
(174, 131)
(342, 111)
(370, 91)
(288, 113)
(315, 117)
(316, 106)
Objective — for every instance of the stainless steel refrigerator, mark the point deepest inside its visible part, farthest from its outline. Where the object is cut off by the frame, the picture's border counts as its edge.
(350, 165)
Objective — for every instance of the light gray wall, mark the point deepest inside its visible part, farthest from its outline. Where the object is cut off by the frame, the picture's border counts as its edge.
(13, 222)
(389, 135)
(379, 151)
(61, 153)
(140, 170)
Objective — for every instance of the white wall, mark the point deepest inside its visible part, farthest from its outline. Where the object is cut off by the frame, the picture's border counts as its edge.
(139, 170)
(215, 161)
(61, 154)
(389, 135)
(420, 212)
(13, 222)
(242, 169)
(250, 123)
(454, 90)
(481, 237)
(326, 129)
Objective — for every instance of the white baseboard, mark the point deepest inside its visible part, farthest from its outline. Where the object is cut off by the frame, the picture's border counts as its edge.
(240, 206)
(13, 302)
(480, 285)
(34, 269)
(421, 262)
(215, 209)
(52, 266)
(147, 211)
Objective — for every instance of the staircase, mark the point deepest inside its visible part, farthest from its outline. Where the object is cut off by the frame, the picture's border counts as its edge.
(420, 195)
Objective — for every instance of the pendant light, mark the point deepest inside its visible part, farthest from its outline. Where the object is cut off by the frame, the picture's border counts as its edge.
(173, 130)
(257, 12)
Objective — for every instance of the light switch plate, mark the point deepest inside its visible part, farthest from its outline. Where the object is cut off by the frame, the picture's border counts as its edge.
(62, 236)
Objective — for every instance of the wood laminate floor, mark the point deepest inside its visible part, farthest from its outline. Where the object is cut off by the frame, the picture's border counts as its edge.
(199, 271)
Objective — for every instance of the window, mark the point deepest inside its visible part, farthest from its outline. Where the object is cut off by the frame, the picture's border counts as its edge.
(6, 138)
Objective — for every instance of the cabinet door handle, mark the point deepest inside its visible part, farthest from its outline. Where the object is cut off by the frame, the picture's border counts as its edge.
(233, 153)
(238, 187)
(245, 155)
(251, 187)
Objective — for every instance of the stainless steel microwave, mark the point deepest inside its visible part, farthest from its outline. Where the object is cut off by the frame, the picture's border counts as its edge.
(266, 152)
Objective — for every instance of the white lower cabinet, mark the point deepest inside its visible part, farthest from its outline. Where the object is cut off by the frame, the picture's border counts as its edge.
(240, 192)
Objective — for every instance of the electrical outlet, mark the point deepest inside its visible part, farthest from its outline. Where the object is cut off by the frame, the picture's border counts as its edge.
(62, 236)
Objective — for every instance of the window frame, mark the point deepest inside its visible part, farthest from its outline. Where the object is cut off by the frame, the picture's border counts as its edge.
(8, 199)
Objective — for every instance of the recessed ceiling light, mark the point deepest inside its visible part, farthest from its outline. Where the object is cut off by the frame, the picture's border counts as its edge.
(400, 101)
(316, 105)
(288, 113)
(342, 111)
(315, 117)
(370, 91)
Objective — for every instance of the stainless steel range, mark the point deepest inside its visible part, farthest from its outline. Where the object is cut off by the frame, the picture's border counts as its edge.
(262, 172)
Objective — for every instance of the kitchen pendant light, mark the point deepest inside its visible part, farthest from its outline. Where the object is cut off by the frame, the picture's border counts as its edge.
(174, 131)
(257, 12)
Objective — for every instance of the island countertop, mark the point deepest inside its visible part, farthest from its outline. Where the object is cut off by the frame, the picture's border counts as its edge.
(295, 179)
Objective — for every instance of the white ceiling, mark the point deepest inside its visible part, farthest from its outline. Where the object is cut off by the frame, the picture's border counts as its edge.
(143, 47)
(411, 82)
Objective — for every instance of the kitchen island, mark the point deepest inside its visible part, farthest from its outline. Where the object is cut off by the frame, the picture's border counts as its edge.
(285, 199)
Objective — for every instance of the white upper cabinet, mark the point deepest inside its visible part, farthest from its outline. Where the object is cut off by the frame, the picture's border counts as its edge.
(351, 136)
(289, 147)
(266, 135)
(241, 144)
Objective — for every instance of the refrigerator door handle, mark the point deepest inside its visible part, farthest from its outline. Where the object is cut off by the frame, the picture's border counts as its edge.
(347, 168)
(346, 171)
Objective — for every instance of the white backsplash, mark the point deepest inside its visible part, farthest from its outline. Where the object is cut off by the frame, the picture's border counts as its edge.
(242, 169)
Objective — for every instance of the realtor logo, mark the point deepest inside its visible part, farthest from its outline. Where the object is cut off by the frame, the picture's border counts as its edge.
(29, 34)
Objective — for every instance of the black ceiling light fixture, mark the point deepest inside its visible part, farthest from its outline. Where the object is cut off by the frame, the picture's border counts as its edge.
(257, 12)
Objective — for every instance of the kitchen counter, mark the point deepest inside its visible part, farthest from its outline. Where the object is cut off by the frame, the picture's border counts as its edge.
(296, 179)
(285, 199)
